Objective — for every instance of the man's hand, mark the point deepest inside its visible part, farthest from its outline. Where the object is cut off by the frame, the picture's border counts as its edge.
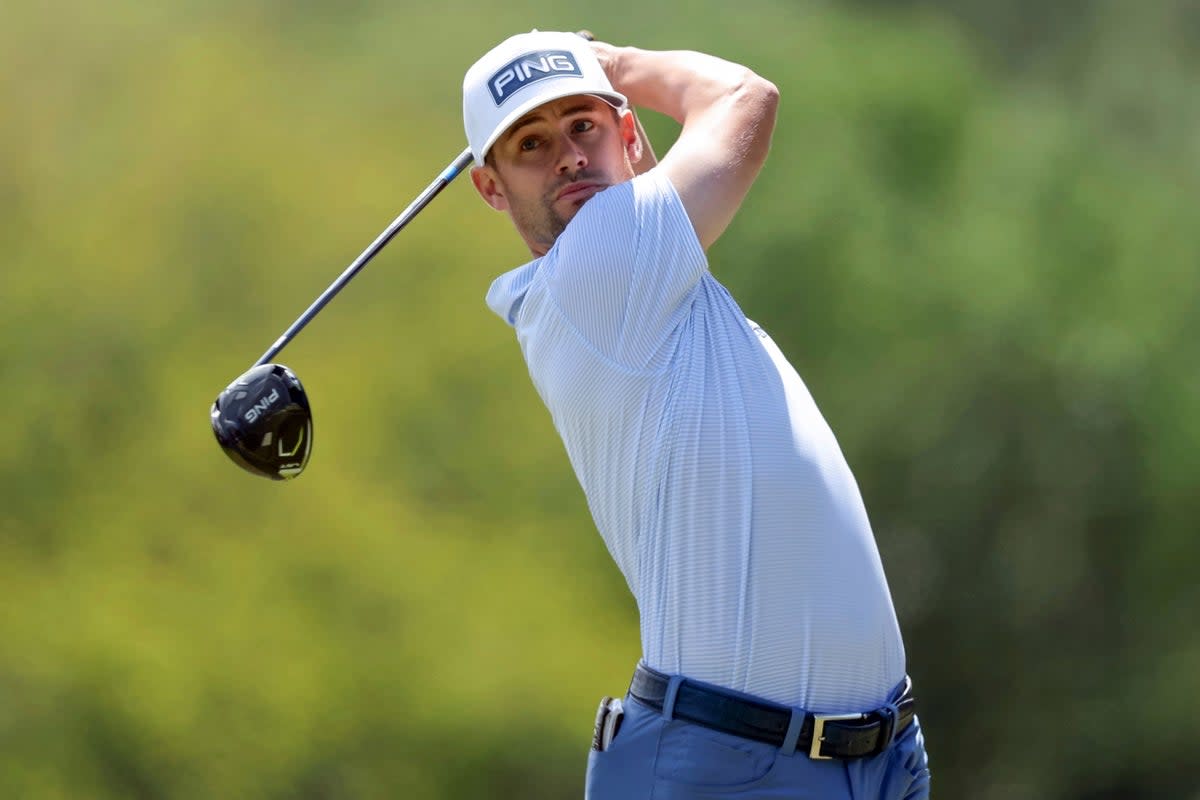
(606, 54)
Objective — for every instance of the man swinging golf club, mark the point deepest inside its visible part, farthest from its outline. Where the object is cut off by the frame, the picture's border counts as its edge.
(772, 662)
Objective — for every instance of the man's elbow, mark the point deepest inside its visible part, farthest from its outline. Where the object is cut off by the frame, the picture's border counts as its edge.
(767, 92)
(759, 101)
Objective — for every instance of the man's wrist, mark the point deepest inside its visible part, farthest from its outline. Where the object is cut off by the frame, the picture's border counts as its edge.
(612, 59)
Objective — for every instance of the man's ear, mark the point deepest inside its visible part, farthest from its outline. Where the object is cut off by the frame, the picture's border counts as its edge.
(630, 138)
(489, 187)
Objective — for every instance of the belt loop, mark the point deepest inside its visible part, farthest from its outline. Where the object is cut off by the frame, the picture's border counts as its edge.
(889, 716)
(668, 709)
(793, 732)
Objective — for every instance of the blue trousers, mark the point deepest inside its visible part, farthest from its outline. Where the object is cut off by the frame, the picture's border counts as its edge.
(655, 758)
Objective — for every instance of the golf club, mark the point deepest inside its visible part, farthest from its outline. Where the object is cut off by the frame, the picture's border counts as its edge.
(263, 420)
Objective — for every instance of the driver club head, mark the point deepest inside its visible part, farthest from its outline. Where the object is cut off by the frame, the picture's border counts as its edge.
(263, 422)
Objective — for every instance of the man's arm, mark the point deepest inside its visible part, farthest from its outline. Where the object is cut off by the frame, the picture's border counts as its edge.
(727, 113)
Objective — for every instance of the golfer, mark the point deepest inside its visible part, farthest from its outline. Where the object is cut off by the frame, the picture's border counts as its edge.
(772, 663)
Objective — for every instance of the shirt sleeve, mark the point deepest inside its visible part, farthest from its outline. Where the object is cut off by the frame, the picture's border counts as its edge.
(625, 269)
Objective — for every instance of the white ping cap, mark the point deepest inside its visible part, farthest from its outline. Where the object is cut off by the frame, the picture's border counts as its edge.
(523, 72)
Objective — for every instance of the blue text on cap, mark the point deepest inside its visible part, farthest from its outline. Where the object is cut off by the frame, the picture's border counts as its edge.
(531, 68)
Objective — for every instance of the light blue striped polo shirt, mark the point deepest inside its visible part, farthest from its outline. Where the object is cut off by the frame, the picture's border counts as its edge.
(717, 485)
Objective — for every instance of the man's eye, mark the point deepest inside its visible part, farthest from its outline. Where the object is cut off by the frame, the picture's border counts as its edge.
(584, 125)
(528, 144)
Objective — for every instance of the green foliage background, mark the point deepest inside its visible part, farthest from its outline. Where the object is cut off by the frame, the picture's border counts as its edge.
(976, 237)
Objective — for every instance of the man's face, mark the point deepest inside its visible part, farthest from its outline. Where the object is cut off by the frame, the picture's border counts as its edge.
(553, 160)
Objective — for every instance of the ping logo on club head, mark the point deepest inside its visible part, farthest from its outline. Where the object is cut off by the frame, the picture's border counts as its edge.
(262, 405)
(530, 68)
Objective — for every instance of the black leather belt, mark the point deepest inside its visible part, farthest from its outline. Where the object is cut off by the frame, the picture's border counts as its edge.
(822, 736)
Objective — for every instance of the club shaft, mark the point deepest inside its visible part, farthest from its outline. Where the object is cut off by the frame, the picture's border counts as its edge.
(431, 191)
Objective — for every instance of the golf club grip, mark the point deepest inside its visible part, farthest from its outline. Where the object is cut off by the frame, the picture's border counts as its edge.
(448, 174)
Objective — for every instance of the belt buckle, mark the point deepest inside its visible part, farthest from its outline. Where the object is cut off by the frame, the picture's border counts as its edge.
(818, 734)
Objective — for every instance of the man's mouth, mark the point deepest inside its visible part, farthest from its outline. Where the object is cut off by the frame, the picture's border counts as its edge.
(580, 190)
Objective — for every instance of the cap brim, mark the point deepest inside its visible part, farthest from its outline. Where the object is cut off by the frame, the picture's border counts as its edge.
(614, 99)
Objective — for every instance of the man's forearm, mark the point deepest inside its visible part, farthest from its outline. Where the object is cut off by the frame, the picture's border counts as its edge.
(727, 113)
(682, 83)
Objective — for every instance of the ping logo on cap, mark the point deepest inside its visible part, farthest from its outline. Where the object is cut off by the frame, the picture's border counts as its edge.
(531, 68)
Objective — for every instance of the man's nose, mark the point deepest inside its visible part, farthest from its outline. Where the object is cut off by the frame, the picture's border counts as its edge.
(571, 156)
